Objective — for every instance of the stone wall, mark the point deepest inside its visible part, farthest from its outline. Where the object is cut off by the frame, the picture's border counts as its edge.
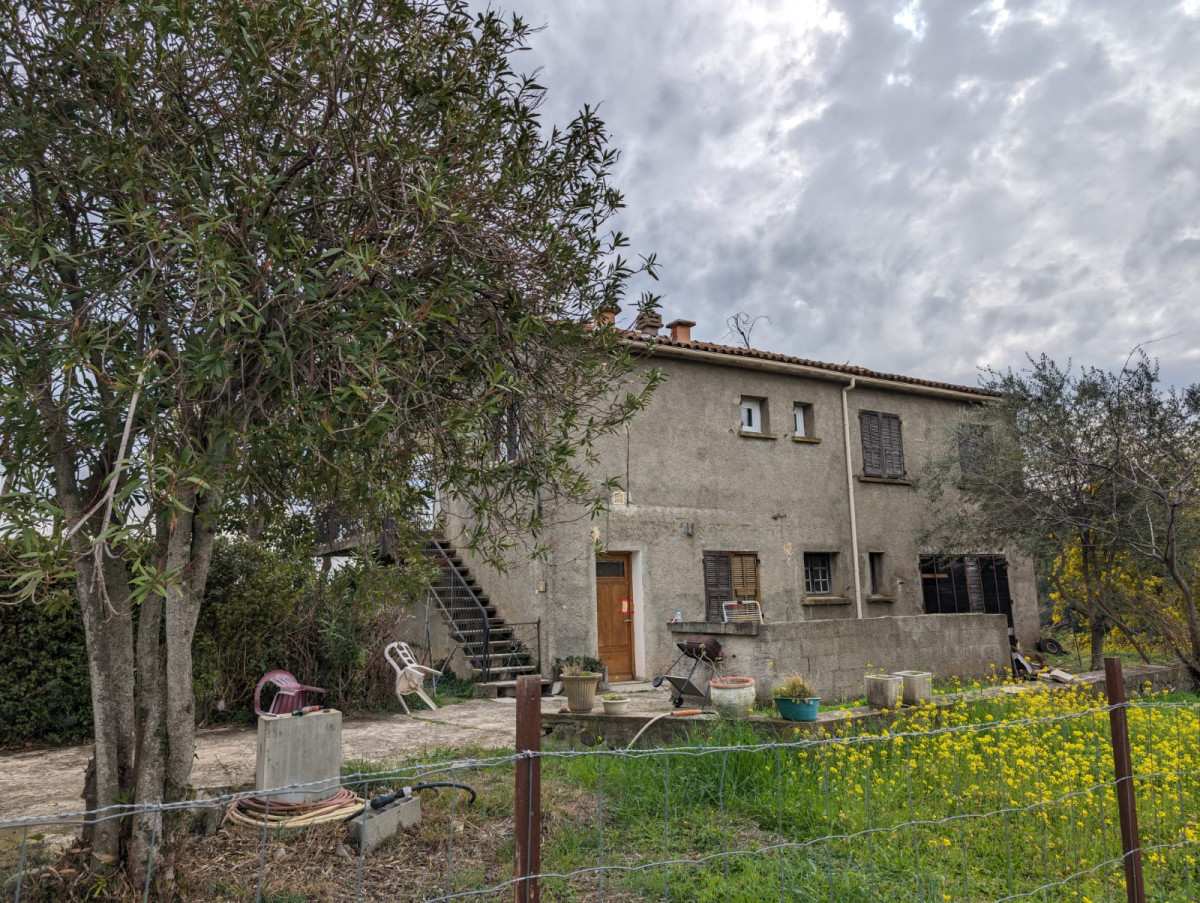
(832, 656)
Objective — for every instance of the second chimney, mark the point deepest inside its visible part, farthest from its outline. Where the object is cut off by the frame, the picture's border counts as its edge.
(681, 330)
(649, 322)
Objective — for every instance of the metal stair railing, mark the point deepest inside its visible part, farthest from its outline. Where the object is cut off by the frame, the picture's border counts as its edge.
(457, 596)
(525, 642)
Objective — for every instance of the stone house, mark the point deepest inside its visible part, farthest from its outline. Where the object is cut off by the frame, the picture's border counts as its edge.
(758, 476)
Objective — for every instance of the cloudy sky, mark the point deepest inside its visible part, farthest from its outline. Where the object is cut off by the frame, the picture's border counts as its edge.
(916, 187)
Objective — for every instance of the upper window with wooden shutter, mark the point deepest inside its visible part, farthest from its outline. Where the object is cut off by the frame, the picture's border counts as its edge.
(728, 577)
(882, 445)
(744, 566)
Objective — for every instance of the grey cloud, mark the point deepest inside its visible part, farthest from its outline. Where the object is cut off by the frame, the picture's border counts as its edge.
(1022, 185)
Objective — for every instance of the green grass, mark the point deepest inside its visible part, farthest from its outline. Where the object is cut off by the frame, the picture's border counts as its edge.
(853, 812)
(905, 812)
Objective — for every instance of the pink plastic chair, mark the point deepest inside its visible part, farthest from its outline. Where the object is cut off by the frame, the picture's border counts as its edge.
(291, 694)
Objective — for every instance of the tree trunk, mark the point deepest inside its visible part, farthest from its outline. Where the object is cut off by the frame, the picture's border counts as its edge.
(1187, 600)
(190, 545)
(1193, 626)
(108, 633)
(150, 763)
(1096, 620)
(105, 604)
(1099, 629)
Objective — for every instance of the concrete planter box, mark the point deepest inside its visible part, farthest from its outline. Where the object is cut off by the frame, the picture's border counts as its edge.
(918, 686)
(883, 691)
(732, 697)
(581, 691)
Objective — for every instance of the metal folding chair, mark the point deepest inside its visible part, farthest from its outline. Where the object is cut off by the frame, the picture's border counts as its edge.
(410, 674)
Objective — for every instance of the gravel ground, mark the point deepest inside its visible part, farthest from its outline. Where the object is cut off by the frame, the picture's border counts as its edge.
(50, 781)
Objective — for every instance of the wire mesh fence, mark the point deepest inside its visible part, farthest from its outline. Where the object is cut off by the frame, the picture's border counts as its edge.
(1005, 797)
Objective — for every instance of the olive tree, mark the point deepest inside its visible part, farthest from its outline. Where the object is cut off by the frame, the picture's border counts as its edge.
(1098, 465)
(253, 252)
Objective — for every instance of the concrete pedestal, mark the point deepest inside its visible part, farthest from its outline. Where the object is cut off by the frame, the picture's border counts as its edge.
(380, 824)
(300, 749)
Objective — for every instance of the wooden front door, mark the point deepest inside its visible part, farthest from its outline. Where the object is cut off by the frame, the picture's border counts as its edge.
(614, 614)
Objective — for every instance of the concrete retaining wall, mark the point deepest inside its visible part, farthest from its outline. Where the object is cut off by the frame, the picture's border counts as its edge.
(832, 656)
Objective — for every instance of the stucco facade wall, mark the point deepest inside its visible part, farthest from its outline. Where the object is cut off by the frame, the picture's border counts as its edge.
(694, 483)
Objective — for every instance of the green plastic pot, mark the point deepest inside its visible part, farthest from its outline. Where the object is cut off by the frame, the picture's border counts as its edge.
(798, 709)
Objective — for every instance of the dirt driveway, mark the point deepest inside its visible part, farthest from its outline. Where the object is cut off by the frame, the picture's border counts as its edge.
(50, 781)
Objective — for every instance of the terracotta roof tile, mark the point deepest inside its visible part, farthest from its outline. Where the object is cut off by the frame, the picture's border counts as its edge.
(849, 370)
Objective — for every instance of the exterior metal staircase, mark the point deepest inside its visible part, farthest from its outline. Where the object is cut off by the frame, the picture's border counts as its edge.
(496, 651)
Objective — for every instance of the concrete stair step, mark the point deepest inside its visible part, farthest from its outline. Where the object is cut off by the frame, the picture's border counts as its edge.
(507, 669)
(505, 689)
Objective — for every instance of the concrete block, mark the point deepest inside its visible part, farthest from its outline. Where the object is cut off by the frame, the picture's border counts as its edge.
(379, 824)
(300, 749)
(918, 686)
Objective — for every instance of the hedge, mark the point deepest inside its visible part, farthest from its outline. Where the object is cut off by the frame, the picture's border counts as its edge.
(263, 609)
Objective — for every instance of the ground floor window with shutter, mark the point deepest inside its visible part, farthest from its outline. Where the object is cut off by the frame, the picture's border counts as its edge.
(961, 584)
(729, 577)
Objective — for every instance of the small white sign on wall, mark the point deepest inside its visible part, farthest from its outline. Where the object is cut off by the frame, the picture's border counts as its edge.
(618, 498)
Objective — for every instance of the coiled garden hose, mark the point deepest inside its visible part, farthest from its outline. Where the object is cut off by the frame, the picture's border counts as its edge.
(252, 811)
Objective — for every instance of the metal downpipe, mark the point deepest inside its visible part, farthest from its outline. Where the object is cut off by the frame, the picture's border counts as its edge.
(858, 602)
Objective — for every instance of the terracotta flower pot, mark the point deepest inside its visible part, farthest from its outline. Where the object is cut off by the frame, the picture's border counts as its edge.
(732, 697)
(581, 691)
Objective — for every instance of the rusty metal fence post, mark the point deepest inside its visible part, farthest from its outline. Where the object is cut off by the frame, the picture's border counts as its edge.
(527, 800)
(1131, 843)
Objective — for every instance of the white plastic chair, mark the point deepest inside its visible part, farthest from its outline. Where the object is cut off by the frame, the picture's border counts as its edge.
(410, 674)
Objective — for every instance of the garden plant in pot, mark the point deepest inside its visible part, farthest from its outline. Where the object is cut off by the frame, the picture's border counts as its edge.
(588, 663)
(615, 704)
(795, 699)
(580, 686)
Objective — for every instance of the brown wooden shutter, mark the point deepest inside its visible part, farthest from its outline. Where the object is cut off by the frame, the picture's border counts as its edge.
(871, 428)
(718, 583)
(892, 445)
(744, 568)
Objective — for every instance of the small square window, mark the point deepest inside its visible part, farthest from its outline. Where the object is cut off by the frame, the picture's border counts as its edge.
(818, 573)
(803, 416)
(754, 411)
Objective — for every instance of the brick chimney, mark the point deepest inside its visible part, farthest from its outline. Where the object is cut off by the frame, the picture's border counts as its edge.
(681, 330)
(649, 322)
(606, 317)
